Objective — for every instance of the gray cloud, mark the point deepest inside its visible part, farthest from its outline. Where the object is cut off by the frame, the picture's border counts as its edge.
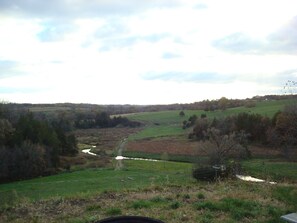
(8, 68)
(112, 29)
(156, 37)
(198, 77)
(170, 55)
(200, 6)
(10, 90)
(80, 8)
(283, 41)
(55, 30)
(109, 44)
(116, 34)
(238, 43)
(284, 76)
(128, 41)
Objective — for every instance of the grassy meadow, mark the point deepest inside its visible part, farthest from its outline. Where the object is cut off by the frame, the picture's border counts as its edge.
(169, 123)
(136, 174)
(162, 190)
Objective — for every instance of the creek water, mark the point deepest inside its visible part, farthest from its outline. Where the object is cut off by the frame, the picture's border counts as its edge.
(130, 158)
(88, 151)
(120, 158)
(253, 179)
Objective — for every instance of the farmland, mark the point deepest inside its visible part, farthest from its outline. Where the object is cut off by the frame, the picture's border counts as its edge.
(91, 189)
(164, 132)
(168, 123)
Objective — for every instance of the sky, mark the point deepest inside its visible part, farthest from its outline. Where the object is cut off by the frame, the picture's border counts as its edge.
(145, 52)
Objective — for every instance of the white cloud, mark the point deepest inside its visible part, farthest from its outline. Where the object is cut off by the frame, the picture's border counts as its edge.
(145, 52)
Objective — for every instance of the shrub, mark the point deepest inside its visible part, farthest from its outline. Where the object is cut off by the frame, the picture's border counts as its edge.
(159, 199)
(175, 205)
(200, 196)
(113, 211)
(212, 206)
(141, 204)
(93, 207)
(186, 196)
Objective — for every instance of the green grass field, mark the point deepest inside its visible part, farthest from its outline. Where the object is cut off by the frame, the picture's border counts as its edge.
(152, 132)
(273, 169)
(169, 123)
(163, 190)
(136, 174)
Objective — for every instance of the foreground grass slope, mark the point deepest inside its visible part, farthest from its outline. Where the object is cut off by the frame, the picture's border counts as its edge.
(136, 174)
(163, 190)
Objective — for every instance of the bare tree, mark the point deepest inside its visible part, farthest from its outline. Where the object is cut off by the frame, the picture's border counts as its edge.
(221, 147)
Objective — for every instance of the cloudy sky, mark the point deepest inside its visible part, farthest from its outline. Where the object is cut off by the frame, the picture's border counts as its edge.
(145, 52)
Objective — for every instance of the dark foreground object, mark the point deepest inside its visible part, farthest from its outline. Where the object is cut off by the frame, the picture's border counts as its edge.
(129, 219)
(209, 173)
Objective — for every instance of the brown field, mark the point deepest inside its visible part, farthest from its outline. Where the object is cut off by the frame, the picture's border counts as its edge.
(104, 139)
(168, 145)
(107, 140)
(188, 147)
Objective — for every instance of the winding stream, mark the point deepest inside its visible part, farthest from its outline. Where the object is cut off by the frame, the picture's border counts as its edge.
(130, 158)
(88, 151)
(119, 158)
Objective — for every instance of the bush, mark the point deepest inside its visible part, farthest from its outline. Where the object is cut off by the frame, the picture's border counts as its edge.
(141, 204)
(200, 128)
(208, 173)
(200, 196)
(175, 205)
(113, 211)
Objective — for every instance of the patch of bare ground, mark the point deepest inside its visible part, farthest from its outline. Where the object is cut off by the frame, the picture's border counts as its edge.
(105, 138)
(168, 203)
(264, 151)
(84, 160)
(168, 145)
(177, 146)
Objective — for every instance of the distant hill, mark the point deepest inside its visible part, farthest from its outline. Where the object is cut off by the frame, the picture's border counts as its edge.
(206, 105)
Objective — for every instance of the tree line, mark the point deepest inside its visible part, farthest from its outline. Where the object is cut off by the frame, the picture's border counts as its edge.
(31, 144)
(102, 120)
(31, 147)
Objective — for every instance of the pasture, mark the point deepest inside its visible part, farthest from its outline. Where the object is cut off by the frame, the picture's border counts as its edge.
(163, 190)
(169, 123)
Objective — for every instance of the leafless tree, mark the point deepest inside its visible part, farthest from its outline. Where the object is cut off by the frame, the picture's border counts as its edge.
(221, 147)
